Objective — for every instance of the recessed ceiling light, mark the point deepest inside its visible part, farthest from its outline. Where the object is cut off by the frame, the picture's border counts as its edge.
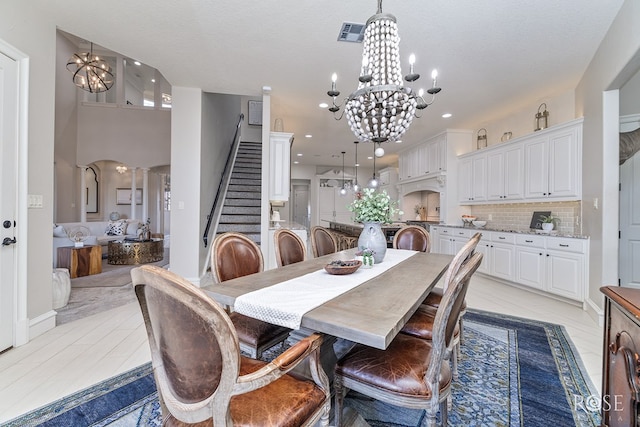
(446, 115)
(137, 63)
(399, 141)
(299, 154)
(323, 105)
(308, 135)
(370, 157)
(296, 162)
(153, 80)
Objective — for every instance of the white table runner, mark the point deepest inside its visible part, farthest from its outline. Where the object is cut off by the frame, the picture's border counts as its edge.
(285, 303)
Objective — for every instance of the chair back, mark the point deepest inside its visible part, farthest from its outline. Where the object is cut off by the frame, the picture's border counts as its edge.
(289, 247)
(194, 346)
(463, 254)
(447, 315)
(234, 255)
(412, 237)
(322, 242)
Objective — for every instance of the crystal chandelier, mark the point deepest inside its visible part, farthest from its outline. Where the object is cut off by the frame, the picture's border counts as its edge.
(90, 73)
(382, 109)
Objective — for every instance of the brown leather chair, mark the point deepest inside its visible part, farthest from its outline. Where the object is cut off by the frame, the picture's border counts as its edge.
(411, 372)
(289, 247)
(235, 255)
(420, 325)
(201, 377)
(323, 242)
(412, 237)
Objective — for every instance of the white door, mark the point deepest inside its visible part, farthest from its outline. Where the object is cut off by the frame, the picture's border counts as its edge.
(8, 160)
(630, 222)
(301, 210)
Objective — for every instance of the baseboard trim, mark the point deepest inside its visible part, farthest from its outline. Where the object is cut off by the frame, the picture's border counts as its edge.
(594, 311)
(41, 324)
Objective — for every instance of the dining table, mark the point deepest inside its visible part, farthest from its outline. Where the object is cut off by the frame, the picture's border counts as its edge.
(371, 313)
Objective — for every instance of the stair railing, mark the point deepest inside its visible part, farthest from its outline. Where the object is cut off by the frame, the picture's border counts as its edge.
(216, 208)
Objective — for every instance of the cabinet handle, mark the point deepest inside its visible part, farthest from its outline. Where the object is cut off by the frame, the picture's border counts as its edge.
(501, 238)
(529, 241)
(547, 254)
(563, 246)
(540, 253)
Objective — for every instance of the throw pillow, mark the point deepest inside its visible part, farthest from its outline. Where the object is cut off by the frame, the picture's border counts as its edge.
(59, 231)
(116, 228)
(132, 227)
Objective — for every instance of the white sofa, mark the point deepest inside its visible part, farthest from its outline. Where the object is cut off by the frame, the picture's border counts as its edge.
(98, 233)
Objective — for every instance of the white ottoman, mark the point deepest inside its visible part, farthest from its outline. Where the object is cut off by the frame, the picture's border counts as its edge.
(61, 287)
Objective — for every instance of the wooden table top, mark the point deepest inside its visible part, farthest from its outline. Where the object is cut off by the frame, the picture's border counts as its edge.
(372, 313)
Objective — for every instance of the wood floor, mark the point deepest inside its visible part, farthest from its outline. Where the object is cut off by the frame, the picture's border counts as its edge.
(81, 353)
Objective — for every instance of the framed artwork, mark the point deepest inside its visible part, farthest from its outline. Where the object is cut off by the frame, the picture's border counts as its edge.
(123, 196)
(255, 113)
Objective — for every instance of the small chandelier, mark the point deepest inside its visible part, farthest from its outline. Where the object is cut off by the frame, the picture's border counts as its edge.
(90, 73)
(382, 109)
(121, 169)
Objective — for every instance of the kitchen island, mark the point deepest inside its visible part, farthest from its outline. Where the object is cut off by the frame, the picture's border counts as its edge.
(353, 229)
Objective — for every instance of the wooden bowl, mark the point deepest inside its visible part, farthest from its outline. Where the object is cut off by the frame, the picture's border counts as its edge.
(346, 267)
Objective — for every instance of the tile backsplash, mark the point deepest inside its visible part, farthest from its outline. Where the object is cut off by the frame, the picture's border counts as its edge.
(517, 216)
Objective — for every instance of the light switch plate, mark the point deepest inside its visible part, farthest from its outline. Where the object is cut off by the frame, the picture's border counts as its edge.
(35, 201)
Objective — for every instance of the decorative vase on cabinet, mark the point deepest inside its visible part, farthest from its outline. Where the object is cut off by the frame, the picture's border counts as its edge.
(373, 238)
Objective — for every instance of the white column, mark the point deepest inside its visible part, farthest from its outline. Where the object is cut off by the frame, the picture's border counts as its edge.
(83, 193)
(145, 194)
(133, 193)
(160, 205)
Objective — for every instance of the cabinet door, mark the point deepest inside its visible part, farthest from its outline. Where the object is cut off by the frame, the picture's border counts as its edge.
(433, 157)
(530, 263)
(503, 261)
(479, 178)
(495, 176)
(513, 173)
(565, 274)
(563, 164)
(536, 169)
(485, 250)
(465, 168)
(413, 163)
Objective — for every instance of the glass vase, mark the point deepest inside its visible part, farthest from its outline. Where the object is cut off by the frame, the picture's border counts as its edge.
(373, 238)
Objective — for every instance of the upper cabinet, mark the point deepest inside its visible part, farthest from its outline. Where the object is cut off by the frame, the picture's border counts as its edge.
(279, 157)
(543, 166)
(424, 160)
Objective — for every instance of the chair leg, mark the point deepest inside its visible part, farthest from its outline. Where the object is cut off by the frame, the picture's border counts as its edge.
(444, 413)
(460, 327)
(339, 399)
(454, 361)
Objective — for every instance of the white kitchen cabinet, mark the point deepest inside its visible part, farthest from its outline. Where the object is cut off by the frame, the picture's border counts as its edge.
(549, 264)
(279, 157)
(505, 177)
(539, 167)
(472, 179)
(553, 164)
(334, 207)
(423, 160)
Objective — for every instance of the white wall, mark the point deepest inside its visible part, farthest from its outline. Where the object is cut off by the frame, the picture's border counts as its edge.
(615, 62)
(630, 96)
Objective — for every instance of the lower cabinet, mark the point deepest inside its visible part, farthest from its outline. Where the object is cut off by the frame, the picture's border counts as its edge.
(556, 265)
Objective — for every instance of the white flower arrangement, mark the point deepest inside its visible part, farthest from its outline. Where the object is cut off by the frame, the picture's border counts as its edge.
(372, 206)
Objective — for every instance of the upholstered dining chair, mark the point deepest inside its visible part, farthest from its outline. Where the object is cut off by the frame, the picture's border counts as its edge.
(411, 372)
(421, 323)
(201, 377)
(412, 237)
(289, 247)
(235, 255)
(323, 242)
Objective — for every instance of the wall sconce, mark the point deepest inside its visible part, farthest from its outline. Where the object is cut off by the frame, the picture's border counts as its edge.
(541, 118)
(481, 141)
(121, 169)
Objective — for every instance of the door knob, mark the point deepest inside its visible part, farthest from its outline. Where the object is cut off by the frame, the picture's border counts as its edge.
(6, 224)
(7, 241)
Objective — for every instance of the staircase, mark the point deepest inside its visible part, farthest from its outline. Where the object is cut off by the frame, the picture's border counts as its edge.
(241, 207)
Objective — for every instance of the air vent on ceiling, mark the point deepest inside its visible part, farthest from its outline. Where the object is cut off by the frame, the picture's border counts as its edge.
(351, 32)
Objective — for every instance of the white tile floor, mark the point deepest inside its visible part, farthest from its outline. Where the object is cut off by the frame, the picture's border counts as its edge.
(81, 353)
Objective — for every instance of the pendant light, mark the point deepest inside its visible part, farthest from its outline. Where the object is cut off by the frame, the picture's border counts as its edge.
(343, 190)
(356, 187)
(373, 182)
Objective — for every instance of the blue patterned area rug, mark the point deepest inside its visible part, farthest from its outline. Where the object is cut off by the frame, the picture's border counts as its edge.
(513, 372)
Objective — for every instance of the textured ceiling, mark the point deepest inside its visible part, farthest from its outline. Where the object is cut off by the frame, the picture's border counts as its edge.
(492, 56)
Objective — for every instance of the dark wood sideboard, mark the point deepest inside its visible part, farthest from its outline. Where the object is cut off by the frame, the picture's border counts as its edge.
(621, 357)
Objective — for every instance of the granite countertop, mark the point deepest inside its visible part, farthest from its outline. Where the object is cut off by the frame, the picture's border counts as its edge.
(538, 232)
